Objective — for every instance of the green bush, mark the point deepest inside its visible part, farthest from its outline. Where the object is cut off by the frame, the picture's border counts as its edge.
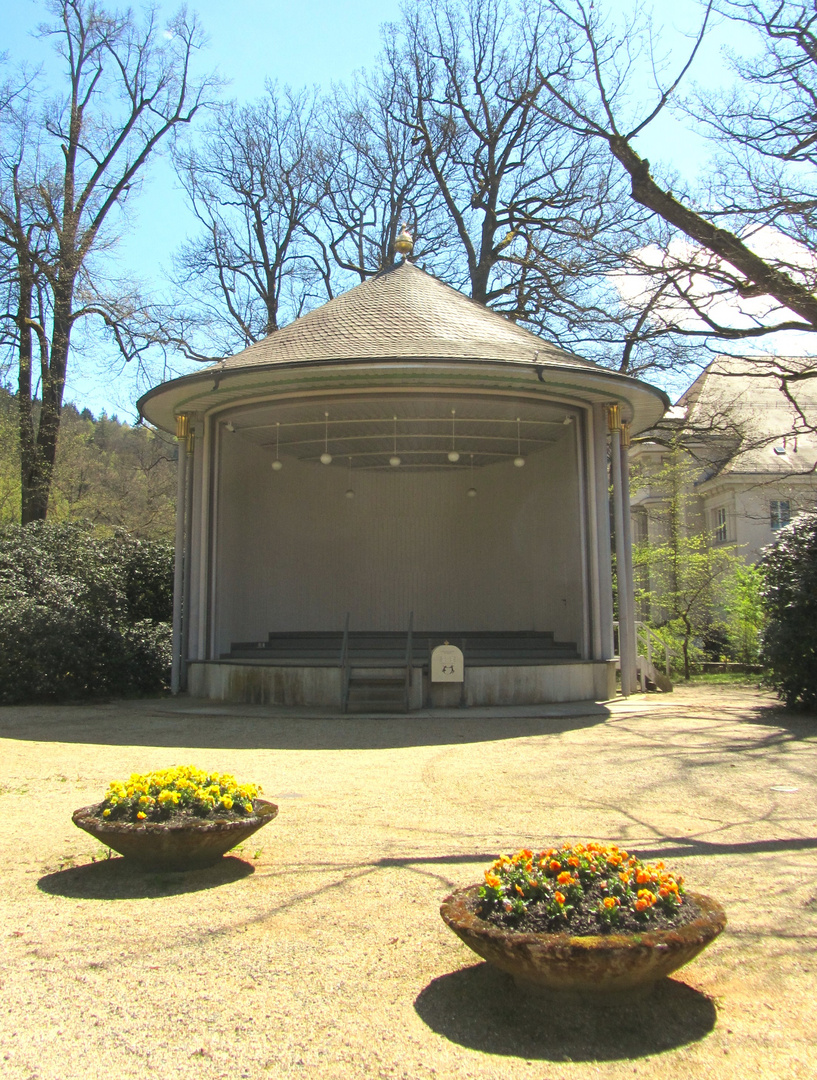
(789, 593)
(82, 615)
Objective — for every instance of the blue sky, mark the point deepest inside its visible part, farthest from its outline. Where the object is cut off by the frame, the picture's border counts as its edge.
(306, 43)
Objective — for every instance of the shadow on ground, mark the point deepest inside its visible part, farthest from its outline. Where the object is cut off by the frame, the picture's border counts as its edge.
(262, 729)
(118, 879)
(482, 1009)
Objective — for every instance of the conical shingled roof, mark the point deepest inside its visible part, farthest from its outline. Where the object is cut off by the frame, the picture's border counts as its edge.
(402, 313)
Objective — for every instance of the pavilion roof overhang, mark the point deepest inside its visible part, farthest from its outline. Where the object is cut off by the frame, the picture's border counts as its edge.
(227, 389)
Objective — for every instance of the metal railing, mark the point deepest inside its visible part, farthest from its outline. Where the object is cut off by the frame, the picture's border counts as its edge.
(409, 659)
(346, 670)
(650, 637)
(648, 642)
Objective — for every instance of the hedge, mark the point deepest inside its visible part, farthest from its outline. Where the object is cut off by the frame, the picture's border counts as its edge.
(82, 615)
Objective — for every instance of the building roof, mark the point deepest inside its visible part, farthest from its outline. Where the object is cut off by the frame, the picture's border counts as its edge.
(737, 416)
(742, 400)
(403, 327)
(402, 313)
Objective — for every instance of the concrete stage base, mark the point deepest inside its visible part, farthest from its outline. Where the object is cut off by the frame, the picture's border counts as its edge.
(261, 683)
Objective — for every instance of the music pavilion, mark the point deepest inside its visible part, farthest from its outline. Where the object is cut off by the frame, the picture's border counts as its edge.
(396, 470)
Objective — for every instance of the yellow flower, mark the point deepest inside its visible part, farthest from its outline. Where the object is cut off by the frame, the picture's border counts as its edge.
(141, 816)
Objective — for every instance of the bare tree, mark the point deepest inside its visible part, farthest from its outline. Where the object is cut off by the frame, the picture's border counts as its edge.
(68, 163)
(373, 179)
(252, 182)
(764, 129)
(540, 217)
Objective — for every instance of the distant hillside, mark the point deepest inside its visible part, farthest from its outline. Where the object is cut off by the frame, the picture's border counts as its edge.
(107, 473)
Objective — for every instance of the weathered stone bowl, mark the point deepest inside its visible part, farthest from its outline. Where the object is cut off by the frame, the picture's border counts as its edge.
(603, 965)
(154, 845)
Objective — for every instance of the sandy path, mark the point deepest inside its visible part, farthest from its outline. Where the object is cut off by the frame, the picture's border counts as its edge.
(319, 949)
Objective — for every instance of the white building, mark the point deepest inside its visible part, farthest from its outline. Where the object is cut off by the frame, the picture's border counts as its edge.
(399, 468)
(754, 450)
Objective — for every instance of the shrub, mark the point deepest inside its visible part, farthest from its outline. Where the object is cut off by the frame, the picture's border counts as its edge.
(789, 593)
(82, 615)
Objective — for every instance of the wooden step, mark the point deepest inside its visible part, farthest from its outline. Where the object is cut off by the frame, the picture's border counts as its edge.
(373, 693)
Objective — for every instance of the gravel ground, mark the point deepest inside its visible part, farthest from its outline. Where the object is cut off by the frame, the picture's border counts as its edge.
(318, 949)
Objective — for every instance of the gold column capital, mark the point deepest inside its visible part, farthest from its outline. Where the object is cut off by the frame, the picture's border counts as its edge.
(613, 417)
(626, 438)
(182, 426)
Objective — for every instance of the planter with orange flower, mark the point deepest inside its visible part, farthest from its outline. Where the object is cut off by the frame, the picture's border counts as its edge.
(583, 917)
(182, 818)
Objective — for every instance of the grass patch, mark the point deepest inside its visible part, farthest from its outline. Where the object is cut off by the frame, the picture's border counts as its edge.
(720, 678)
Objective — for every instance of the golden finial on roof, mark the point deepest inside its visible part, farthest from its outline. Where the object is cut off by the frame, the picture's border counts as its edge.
(404, 241)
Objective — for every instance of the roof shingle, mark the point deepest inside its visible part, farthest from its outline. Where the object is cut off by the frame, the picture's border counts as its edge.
(402, 313)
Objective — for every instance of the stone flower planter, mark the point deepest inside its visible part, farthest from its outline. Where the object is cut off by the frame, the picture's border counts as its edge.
(192, 845)
(603, 965)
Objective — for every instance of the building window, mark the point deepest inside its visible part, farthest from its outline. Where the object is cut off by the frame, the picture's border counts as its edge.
(779, 513)
(720, 532)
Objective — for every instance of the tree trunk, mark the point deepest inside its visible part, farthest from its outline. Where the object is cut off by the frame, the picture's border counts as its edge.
(39, 455)
(25, 408)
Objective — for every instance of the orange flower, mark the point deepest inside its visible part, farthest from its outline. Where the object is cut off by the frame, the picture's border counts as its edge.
(519, 890)
(565, 878)
(611, 902)
(554, 866)
(643, 877)
(559, 897)
(492, 880)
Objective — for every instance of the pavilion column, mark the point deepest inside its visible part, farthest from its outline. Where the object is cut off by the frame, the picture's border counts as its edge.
(182, 429)
(188, 555)
(628, 551)
(626, 626)
(602, 535)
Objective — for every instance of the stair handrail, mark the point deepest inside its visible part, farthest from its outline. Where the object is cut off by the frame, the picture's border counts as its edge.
(650, 636)
(409, 658)
(346, 671)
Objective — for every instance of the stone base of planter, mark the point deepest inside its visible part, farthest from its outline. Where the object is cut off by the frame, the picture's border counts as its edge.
(190, 846)
(607, 964)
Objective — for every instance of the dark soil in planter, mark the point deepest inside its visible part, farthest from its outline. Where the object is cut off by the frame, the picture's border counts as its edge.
(584, 921)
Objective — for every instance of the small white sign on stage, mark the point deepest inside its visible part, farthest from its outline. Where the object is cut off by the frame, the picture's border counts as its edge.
(447, 664)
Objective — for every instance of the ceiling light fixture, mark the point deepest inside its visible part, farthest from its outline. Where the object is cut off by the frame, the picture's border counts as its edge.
(472, 491)
(453, 456)
(277, 465)
(350, 493)
(518, 461)
(326, 457)
(394, 459)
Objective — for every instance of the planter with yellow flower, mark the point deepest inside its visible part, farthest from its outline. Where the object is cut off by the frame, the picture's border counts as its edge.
(585, 918)
(176, 819)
